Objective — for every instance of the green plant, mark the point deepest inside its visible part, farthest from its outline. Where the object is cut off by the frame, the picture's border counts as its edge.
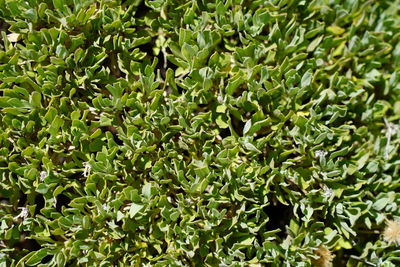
(191, 133)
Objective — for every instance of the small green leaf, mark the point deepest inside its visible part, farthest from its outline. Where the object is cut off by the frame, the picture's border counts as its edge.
(37, 256)
(306, 79)
(222, 124)
(134, 209)
(336, 30)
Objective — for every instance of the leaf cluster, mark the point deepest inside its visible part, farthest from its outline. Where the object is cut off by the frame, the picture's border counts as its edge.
(199, 133)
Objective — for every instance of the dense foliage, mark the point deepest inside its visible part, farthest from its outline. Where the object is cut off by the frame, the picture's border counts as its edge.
(199, 133)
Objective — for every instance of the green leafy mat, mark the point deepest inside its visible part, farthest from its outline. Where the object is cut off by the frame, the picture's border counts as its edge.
(199, 133)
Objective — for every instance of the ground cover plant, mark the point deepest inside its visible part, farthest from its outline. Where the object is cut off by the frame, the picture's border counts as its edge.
(199, 133)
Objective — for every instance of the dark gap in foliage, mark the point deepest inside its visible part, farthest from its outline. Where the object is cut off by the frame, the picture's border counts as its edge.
(367, 235)
(162, 65)
(39, 201)
(271, 155)
(181, 90)
(141, 9)
(185, 153)
(305, 99)
(4, 199)
(147, 48)
(31, 136)
(76, 176)
(342, 256)
(264, 132)
(293, 186)
(22, 200)
(4, 26)
(279, 216)
(28, 244)
(172, 193)
(202, 5)
(262, 157)
(118, 141)
(202, 107)
(379, 89)
(72, 262)
(3, 164)
(56, 158)
(113, 130)
(186, 260)
(224, 132)
(175, 137)
(47, 259)
(239, 91)
(119, 223)
(152, 250)
(66, 145)
(19, 159)
(112, 63)
(57, 238)
(238, 125)
(62, 201)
